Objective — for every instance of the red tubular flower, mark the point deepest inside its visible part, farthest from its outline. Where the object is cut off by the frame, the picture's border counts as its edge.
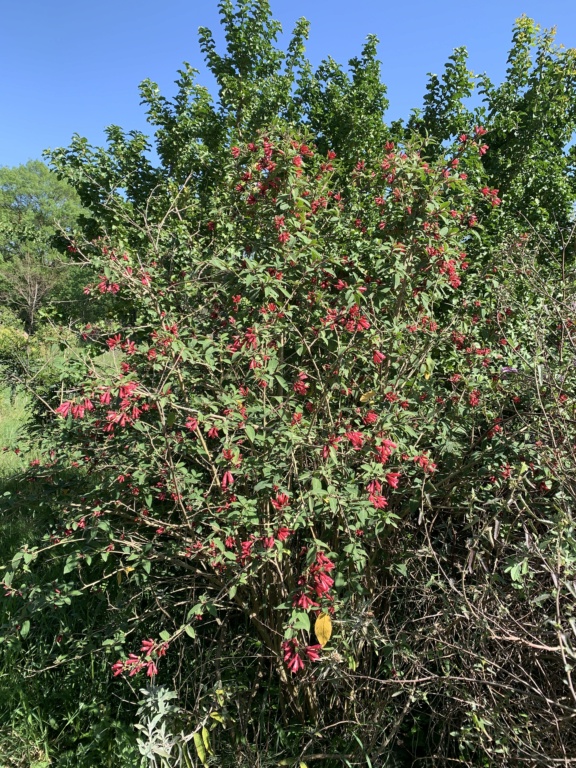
(312, 651)
(283, 533)
(151, 669)
(333, 441)
(300, 387)
(384, 451)
(474, 398)
(280, 501)
(64, 408)
(118, 668)
(303, 601)
(356, 438)
(324, 562)
(378, 501)
(78, 411)
(378, 357)
(147, 646)
(227, 480)
(246, 550)
(321, 583)
(114, 341)
(374, 486)
(291, 657)
(393, 478)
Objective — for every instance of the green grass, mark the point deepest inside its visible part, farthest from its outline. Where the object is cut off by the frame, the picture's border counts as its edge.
(13, 417)
(22, 741)
(15, 457)
(59, 716)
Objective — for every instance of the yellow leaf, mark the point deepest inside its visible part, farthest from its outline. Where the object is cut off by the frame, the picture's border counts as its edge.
(367, 396)
(200, 748)
(323, 628)
(206, 740)
(426, 376)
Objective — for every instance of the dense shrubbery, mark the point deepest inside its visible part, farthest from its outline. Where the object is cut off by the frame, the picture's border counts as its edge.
(323, 490)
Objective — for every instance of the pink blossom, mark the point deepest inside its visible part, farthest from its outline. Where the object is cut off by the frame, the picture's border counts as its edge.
(282, 500)
(147, 646)
(227, 480)
(378, 357)
(64, 408)
(283, 533)
(303, 601)
(356, 438)
(312, 651)
(151, 669)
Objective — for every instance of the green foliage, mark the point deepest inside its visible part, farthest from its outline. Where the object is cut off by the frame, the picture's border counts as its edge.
(530, 119)
(34, 206)
(445, 115)
(37, 213)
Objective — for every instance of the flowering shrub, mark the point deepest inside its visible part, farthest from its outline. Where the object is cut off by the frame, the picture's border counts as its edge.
(320, 415)
(254, 428)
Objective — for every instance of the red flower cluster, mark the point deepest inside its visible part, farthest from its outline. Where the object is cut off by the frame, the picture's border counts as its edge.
(293, 657)
(300, 386)
(280, 501)
(134, 664)
(492, 194)
(351, 320)
(374, 496)
(356, 438)
(105, 286)
(384, 450)
(449, 268)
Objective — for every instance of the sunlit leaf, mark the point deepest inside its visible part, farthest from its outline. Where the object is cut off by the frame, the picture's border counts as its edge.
(323, 628)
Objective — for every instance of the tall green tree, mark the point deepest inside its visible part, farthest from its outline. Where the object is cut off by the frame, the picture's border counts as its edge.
(530, 122)
(38, 213)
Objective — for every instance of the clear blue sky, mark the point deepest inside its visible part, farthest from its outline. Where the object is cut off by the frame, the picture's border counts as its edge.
(72, 66)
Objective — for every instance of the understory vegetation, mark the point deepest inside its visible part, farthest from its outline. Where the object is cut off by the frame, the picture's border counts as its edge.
(288, 434)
